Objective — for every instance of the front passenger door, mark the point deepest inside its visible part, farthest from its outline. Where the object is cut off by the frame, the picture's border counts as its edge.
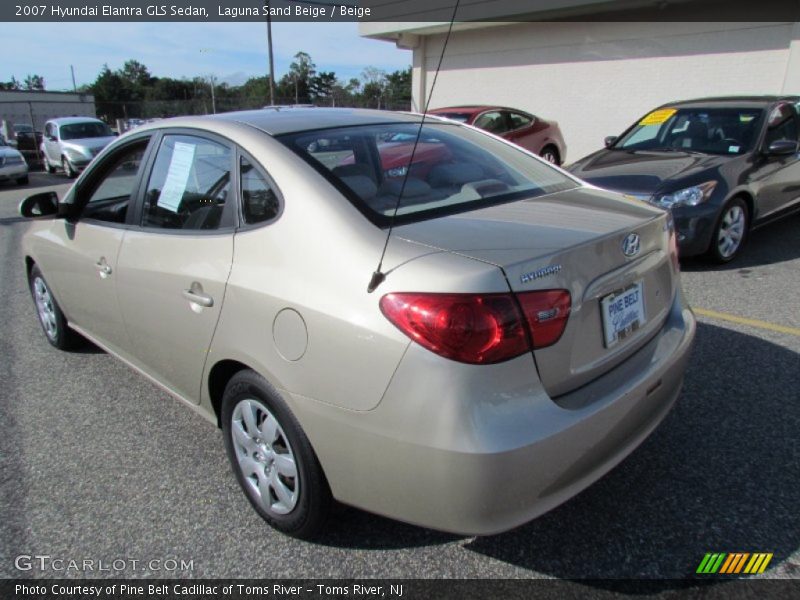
(173, 266)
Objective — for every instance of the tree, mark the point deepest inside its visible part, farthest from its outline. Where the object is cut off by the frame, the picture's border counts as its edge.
(10, 85)
(374, 85)
(321, 86)
(300, 73)
(34, 82)
(135, 74)
(398, 88)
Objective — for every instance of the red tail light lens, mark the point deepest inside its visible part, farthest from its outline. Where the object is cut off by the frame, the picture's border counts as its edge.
(477, 328)
(547, 313)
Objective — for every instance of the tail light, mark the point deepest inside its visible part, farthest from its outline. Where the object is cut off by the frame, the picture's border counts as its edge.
(479, 328)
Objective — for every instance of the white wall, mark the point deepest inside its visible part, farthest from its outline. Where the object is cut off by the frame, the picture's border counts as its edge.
(595, 79)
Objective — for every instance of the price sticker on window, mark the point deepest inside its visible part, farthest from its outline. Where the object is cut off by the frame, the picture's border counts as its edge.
(657, 117)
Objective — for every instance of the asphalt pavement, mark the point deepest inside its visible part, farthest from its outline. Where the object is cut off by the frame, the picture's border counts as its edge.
(98, 464)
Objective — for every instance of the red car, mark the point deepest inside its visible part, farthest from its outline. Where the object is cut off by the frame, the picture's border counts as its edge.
(532, 133)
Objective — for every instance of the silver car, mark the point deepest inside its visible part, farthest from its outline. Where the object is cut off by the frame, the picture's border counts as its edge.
(70, 143)
(12, 164)
(426, 322)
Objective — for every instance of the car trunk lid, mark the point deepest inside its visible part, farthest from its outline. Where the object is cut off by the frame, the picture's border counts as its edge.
(572, 240)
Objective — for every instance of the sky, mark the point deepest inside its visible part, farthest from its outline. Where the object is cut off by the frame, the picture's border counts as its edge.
(232, 52)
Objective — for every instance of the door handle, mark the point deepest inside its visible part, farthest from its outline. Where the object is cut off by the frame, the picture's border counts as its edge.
(196, 295)
(103, 268)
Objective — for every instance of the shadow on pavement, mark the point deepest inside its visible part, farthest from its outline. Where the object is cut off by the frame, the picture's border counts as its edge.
(721, 474)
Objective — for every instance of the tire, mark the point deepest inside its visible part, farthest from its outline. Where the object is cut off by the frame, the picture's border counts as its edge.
(69, 170)
(23, 180)
(48, 167)
(281, 476)
(730, 232)
(550, 154)
(52, 320)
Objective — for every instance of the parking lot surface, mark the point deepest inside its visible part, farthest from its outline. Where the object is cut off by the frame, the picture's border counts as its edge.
(96, 463)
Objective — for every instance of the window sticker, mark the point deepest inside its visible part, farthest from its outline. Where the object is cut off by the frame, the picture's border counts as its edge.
(177, 177)
(657, 117)
(744, 118)
(733, 149)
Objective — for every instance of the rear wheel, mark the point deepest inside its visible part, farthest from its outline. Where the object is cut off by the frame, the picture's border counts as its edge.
(550, 154)
(272, 457)
(51, 318)
(730, 232)
(47, 166)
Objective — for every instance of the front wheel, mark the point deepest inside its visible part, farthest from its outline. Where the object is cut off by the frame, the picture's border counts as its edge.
(69, 170)
(272, 457)
(47, 166)
(730, 232)
(51, 318)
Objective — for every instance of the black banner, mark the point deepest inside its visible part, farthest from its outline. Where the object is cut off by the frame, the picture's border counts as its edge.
(419, 11)
(406, 589)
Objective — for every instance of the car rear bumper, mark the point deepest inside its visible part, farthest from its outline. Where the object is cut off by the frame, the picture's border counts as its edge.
(480, 454)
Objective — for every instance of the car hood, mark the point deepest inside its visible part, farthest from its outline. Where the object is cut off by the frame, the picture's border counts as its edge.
(644, 172)
(96, 143)
(6, 151)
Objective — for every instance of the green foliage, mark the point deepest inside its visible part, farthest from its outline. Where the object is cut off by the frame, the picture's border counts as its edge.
(132, 92)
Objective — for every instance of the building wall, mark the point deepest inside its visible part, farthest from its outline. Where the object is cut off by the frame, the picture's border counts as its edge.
(595, 79)
(21, 107)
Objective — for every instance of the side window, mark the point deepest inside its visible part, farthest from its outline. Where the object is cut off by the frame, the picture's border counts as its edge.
(189, 184)
(259, 201)
(519, 120)
(110, 195)
(493, 122)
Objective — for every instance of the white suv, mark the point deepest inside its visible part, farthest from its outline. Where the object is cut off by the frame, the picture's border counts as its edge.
(70, 143)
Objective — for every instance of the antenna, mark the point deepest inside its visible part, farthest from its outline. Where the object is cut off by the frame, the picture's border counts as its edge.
(378, 276)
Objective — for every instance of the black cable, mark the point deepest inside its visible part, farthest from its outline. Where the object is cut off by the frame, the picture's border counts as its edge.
(378, 276)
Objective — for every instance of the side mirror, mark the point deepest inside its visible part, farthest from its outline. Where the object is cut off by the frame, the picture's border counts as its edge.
(609, 141)
(51, 138)
(782, 148)
(13, 143)
(39, 205)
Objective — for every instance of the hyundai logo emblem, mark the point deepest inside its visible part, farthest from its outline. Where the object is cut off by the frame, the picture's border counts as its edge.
(630, 245)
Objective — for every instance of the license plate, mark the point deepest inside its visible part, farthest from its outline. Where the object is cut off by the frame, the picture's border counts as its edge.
(623, 313)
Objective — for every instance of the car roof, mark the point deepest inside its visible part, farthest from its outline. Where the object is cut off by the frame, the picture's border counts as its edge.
(278, 121)
(70, 120)
(740, 101)
(474, 108)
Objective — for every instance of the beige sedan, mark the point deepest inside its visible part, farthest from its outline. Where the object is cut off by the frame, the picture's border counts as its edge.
(418, 319)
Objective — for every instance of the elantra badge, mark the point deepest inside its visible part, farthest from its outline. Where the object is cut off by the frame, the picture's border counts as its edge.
(630, 245)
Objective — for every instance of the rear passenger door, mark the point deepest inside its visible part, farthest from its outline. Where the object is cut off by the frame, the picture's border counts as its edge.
(174, 262)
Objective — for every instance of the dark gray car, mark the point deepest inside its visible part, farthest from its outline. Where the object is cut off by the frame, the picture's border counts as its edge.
(721, 165)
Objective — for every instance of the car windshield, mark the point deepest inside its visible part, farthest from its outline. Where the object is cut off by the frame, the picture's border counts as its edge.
(453, 169)
(90, 129)
(707, 130)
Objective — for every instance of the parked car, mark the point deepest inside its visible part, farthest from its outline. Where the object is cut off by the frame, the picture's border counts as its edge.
(28, 142)
(70, 143)
(533, 133)
(722, 166)
(12, 164)
(526, 333)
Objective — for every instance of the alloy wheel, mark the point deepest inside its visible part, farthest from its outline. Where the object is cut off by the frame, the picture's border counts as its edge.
(731, 231)
(45, 308)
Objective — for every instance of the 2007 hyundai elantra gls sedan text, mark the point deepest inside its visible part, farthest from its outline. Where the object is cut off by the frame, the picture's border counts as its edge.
(526, 333)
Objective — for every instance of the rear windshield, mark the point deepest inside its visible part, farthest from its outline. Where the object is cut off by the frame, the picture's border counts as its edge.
(77, 131)
(706, 130)
(455, 116)
(453, 169)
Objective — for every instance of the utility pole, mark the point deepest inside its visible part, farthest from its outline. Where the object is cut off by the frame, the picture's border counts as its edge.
(72, 70)
(271, 61)
(213, 98)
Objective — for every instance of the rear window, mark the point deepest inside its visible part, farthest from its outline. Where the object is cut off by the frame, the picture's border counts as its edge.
(453, 169)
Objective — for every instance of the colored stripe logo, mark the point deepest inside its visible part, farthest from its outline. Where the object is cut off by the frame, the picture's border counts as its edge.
(732, 563)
